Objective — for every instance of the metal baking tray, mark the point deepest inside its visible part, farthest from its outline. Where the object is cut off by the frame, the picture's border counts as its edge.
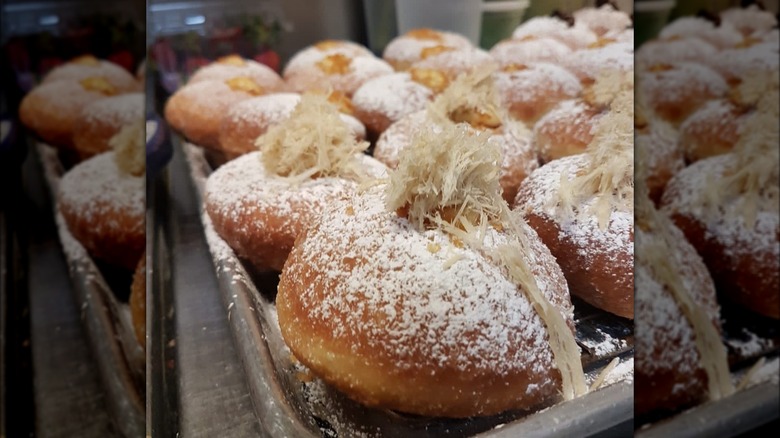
(120, 360)
(286, 405)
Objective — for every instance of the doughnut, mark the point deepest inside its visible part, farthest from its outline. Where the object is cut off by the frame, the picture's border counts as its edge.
(307, 58)
(711, 130)
(247, 120)
(661, 154)
(453, 63)
(597, 262)
(196, 110)
(523, 52)
(529, 92)
(88, 66)
(738, 64)
(336, 72)
(576, 37)
(565, 130)
(602, 20)
(750, 21)
(104, 209)
(742, 259)
(722, 37)
(658, 52)
(138, 302)
(582, 207)
(404, 50)
(587, 64)
(383, 101)
(401, 315)
(668, 371)
(233, 66)
(52, 108)
(260, 202)
(104, 118)
(514, 140)
(674, 91)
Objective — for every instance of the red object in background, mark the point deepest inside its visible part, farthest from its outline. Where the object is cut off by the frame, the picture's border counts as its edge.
(47, 64)
(195, 63)
(17, 55)
(269, 58)
(164, 56)
(123, 58)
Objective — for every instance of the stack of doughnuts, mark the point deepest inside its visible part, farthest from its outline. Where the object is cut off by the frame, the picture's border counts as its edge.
(53, 109)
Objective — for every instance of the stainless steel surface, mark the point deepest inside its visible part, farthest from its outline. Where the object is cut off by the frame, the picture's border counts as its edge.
(201, 390)
(69, 399)
(725, 418)
(119, 359)
(287, 406)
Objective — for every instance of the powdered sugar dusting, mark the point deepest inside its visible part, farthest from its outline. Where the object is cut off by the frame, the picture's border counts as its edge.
(517, 52)
(393, 96)
(470, 318)
(96, 186)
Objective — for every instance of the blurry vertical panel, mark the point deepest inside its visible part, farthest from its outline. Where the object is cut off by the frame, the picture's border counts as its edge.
(73, 232)
(707, 248)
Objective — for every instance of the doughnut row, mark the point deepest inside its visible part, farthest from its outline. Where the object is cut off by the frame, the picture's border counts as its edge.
(706, 132)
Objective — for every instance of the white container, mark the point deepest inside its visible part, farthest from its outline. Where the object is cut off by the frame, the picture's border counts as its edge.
(460, 16)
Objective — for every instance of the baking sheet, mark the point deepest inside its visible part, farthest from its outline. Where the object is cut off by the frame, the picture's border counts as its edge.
(120, 361)
(285, 405)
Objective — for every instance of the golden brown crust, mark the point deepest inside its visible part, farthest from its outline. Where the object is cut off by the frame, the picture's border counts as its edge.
(363, 342)
(103, 119)
(602, 281)
(196, 110)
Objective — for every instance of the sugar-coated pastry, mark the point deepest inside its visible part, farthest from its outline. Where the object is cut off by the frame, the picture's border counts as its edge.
(307, 58)
(566, 129)
(260, 202)
(454, 62)
(582, 207)
(52, 108)
(669, 372)
(722, 37)
(738, 64)
(526, 51)
(103, 119)
(663, 158)
(234, 66)
(336, 72)
(404, 50)
(383, 101)
(88, 66)
(196, 110)
(103, 200)
(576, 36)
(587, 64)
(247, 120)
(750, 21)
(387, 298)
(659, 52)
(711, 130)
(737, 236)
(602, 20)
(674, 91)
(472, 100)
(529, 92)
